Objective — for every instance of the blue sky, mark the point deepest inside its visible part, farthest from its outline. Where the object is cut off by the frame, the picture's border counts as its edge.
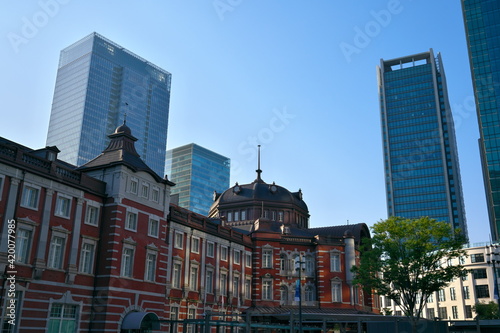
(297, 77)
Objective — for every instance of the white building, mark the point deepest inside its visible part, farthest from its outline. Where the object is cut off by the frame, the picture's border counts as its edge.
(455, 302)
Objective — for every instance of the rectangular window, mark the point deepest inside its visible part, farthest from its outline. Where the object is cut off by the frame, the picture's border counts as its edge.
(153, 228)
(133, 185)
(442, 313)
(209, 285)
(454, 312)
(430, 313)
(477, 257)
(468, 311)
(30, 197)
(462, 260)
(230, 216)
(63, 206)
(194, 278)
(23, 242)
(266, 290)
(63, 318)
(248, 260)
(336, 292)
(127, 261)
(441, 295)
(131, 222)
(236, 286)
(453, 294)
(479, 273)
(267, 258)
(196, 245)
(466, 292)
(243, 215)
(237, 257)
(430, 298)
(210, 249)
(155, 195)
(145, 190)
(176, 275)
(482, 291)
(56, 252)
(150, 273)
(236, 216)
(179, 238)
(87, 258)
(223, 284)
(335, 262)
(191, 315)
(92, 215)
(248, 288)
(280, 216)
(223, 253)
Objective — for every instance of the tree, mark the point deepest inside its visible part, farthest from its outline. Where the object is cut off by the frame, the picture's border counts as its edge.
(486, 310)
(406, 260)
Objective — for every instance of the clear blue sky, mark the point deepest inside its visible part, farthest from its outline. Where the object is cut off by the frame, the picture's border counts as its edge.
(297, 77)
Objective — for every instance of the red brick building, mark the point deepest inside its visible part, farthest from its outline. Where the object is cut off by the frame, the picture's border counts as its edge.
(100, 248)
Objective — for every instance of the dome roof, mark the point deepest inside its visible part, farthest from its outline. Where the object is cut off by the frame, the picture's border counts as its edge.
(260, 191)
(123, 128)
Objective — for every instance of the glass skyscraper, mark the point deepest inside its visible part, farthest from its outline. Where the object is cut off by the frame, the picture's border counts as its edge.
(100, 84)
(482, 26)
(197, 173)
(422, 174)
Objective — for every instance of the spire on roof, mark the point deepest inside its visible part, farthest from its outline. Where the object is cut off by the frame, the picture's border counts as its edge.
(259, 171)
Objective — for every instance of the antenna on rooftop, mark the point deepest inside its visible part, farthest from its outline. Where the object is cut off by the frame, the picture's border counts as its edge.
(259, 171)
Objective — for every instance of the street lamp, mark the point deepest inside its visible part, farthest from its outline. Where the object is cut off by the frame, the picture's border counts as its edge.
(299, 266)
(493, 257)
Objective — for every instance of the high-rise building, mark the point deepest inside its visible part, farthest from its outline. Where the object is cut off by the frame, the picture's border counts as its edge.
(197, 173)
(422, 173)
(98, 85)
(482, 26)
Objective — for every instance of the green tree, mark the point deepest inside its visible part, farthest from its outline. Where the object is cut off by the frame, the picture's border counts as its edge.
(486, 310)
(406, 260)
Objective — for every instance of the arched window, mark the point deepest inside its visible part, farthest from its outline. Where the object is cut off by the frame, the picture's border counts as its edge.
(309, 264)
(309, 294)
(284, 294)
(283, 262)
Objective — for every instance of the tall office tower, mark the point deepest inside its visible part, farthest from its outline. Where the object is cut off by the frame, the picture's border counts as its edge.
(420, 154)
(197, 173)
(100, 84)
(482, 27)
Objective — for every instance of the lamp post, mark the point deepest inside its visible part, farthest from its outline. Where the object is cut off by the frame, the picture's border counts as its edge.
(493, 258)
(299, 266)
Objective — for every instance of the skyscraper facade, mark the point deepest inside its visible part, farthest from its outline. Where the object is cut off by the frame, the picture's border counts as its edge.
(197, 173)
(422, 173)
(99, 84)
(482, 26)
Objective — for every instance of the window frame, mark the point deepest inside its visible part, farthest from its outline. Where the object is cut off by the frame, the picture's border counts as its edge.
(195, 240)
(224, 253)
(133, 189)
(156, 232)
(267, 258)
(335, 262)
(88, 266)
(176, 274)
(21, 249)
(210, 249)
(149, 275)
(267, 289)
(135, 222)
(127, 268)
(336, 296)
(58, 211)
(24, 204)
(88, 215)
(178, 239)
(51, 258)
